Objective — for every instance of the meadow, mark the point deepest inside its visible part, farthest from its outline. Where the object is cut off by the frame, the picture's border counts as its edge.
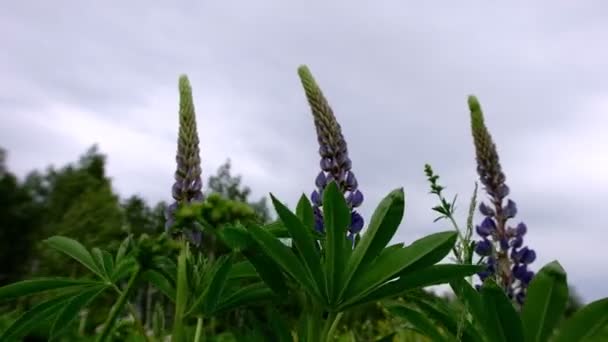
(80, 264)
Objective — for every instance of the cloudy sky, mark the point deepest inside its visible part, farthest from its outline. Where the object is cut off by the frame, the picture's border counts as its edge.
(397, 75)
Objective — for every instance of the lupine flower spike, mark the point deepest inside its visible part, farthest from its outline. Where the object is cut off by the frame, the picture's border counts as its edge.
(188, 184)
(501, 244)
(335, 163)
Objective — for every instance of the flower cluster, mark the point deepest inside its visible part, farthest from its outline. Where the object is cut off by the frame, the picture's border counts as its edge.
(506, 257)
(335, 164)
(187, 187)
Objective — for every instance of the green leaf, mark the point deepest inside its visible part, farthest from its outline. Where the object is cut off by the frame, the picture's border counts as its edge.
(379, 232)
(181, 293)
(236, 237)
(502, 322)
(73, 308)
(243, 270)
(268, 270)
(285, 258)
(34, 286)
(99, 262)
(303, 241)
(76, 251)
(279, 326)
(336, 215)
(211, 295)
(546, 301)
(32, 318)
(586, 324)
(161, 282)
(247, 295)
(443, 243)
(433, 275)
(277, 228)
(122, 249)
(305, 213)
(123, 268)
(472, 301)
(108, 262)
(420, 322)
(394, 261)
(442, 314)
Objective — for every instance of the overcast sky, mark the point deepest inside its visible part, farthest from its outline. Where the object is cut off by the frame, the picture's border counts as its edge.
(397, 76)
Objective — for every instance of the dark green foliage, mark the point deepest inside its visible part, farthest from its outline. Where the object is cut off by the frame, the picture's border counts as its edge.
(19, 224)
(230, 187)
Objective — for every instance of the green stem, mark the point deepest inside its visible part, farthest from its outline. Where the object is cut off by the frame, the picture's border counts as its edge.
(334, 325)
(117, 308)
(138, 323)
(329, 323)
(199, 329)
(181, 295)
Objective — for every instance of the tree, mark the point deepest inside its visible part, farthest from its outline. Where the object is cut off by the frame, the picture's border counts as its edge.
(76, 200)
(229, 187)
(18, 224)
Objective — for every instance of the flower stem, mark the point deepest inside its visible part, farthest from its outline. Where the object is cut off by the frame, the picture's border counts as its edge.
(334, 319)
(117, 308)
(199, 329)
(181, 295)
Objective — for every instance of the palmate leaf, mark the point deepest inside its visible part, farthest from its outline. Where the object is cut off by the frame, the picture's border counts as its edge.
(286, 259)
(546, 301)
(268, 270)
(161, 282)
(421, 323)
(303, 240)
(586, 324)
(243, 270)
(433, 275)
(391, 262)
(210, 296)
(76, 251)
(336, 216)
(444, 315)
(380, 231)
(247, 295)
(36, 286)
(34, 317)
(122, 249)
(73, 308)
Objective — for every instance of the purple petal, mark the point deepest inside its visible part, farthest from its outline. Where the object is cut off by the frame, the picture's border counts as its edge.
(324, 151)
(176, 191)
(355, 198)
(321, 180)
(351, 181)
(486, 210)
(315, 197)
(356, 222)
(510, 210)
(527, 278)
(517, 242)
(483, 247)
(504, 244)
(503, 191)
(487, 227)
(529, 256)
(521, 229)
(326, 164)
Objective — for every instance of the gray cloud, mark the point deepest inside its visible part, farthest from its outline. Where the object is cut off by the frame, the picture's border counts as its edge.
(397, 77)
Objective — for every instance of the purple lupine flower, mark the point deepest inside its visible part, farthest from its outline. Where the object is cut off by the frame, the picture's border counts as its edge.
(335, 163)
(507, 257)
(187, 187)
